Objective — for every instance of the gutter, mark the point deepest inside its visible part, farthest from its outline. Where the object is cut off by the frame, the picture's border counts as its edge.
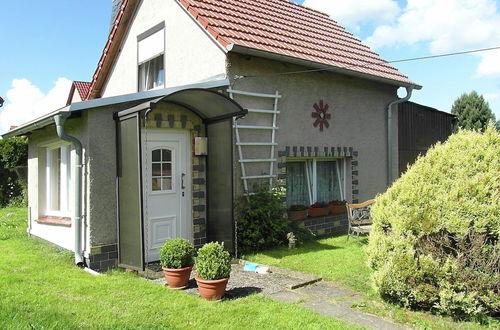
(389, 132)
(60, 119)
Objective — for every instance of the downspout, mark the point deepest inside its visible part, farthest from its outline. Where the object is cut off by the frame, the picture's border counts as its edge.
(389, 132)
(60, 119)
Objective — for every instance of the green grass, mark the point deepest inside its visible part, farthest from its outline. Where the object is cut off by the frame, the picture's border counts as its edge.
(344, 262)
(41, 288)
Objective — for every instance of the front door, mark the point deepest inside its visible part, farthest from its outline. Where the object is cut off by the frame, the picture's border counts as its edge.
(167, 189)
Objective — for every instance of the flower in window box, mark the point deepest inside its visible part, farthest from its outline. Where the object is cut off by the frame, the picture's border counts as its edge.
(297, 212)
(337, 206)
(318, 209)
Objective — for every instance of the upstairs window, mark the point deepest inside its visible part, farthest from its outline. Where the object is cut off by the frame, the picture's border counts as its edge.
(150, 54)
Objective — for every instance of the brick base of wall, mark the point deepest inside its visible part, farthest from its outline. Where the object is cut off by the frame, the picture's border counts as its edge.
(329, 225)
(103, 258)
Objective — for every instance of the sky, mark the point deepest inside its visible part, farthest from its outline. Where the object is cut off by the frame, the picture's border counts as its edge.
(47, 44)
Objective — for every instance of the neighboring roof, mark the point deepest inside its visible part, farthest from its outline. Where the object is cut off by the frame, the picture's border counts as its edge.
(83, 89)
(272, 26)
(133, 98)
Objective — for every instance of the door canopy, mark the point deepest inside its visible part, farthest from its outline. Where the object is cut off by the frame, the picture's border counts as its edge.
(209, 105)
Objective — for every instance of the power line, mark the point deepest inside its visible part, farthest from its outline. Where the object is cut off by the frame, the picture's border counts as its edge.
(376, 63)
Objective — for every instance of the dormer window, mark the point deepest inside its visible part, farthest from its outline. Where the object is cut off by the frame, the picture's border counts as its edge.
(150, 54)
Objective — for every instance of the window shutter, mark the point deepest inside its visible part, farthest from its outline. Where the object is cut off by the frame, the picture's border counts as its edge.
(151, 46)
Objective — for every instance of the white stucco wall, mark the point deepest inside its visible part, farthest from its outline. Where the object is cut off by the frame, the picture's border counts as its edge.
(357, 108)
(190, 54)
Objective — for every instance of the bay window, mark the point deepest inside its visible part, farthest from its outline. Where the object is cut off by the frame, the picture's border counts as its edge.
(315, 180)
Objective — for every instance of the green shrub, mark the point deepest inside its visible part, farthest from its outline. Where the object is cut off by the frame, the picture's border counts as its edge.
(13, 155)
(177, 253)
(434, 244)
(213, 262)
(262, 222)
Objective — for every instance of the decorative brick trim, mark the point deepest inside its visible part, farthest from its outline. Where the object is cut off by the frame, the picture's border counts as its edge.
(103, 257)
(308, 151)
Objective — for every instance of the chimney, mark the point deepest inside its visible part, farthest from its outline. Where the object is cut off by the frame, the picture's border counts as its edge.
(114, 11)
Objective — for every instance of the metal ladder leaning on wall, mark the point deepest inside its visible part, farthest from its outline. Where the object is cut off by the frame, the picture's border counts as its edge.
(271, 144)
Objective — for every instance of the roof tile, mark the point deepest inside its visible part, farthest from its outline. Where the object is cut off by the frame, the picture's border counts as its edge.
(285, 28)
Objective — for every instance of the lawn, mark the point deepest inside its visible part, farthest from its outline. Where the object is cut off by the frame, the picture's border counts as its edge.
(41, 288)
(345, 263)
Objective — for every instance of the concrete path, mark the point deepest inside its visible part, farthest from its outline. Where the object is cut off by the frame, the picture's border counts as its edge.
(329, 300)
(290, 286)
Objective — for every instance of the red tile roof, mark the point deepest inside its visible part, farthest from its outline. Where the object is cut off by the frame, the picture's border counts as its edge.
(83, 88)
(274, 26)
(285, 28)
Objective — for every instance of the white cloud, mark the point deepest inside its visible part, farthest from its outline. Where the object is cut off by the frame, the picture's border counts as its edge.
(352, 13)
(25, 101)
(448, 26)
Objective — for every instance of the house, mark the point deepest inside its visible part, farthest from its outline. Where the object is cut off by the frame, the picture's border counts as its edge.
(196, 102)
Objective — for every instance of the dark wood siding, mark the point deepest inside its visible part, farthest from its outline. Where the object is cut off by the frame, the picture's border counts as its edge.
(420, 127)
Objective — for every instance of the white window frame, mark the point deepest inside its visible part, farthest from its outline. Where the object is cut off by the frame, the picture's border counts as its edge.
(64, 183)
(312, 174)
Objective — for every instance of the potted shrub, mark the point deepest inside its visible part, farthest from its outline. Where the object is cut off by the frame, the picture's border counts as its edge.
(337, 207)
(297, 212)
(176, 259)
(318, 209)
(213, 266)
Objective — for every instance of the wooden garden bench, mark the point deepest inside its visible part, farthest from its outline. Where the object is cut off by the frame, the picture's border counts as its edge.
(359, 219)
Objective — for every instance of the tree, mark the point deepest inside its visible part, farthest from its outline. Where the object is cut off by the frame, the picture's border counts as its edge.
(472, 112)
(435, 241)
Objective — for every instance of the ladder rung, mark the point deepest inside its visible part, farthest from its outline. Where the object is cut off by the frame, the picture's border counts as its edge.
(256, 160)
(271, 96)
(258, 177)
(256, 144)
(255, 127)
(263, 111)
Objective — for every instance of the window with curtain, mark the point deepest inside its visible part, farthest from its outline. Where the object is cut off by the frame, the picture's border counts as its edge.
(150, 53)
(314, 180)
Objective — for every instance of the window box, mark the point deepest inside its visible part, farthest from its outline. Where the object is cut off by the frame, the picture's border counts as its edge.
(337, 209)
(297, 215)
(318, 211)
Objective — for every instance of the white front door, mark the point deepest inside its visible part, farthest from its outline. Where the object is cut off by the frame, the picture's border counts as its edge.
(167, 189)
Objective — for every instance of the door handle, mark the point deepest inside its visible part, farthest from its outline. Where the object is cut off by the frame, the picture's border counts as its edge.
(182, 181)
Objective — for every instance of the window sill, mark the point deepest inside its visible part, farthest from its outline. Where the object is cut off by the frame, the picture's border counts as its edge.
(57, 221)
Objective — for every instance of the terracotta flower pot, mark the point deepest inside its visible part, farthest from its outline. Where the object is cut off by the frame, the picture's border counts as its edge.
(211, 289)
(177, 278)
(297, 215)
(337, 209)
(318, 211)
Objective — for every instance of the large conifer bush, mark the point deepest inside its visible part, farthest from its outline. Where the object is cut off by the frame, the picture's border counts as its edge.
(434, 244)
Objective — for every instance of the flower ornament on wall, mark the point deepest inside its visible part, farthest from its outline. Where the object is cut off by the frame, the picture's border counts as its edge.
(321, 115)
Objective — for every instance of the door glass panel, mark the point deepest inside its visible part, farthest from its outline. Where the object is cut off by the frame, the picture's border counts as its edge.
(156, 184)
(161, 170)
(157, 169)
(166, 155)
(156, 156)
